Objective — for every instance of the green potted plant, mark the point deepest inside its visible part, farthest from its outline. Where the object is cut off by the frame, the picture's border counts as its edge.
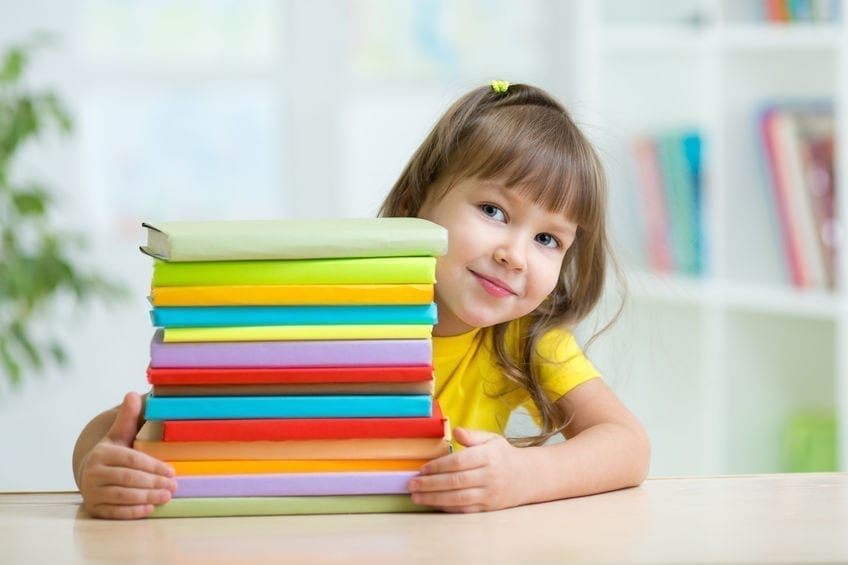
(37, 263)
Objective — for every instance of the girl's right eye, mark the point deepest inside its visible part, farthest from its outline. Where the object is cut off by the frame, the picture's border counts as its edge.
(493, 211)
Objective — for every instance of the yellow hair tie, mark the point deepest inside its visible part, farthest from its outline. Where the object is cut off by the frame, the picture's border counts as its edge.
(500, 86)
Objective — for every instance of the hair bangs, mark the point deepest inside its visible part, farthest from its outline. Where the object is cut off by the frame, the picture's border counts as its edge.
(527, 154)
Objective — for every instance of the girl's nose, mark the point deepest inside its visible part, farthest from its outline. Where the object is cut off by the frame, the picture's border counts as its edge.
(511, 254)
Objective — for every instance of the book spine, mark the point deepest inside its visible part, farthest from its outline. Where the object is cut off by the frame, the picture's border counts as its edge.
(313, 294)
(287, 375)
(228, 407)
(391, 270)
(294, 428)
(295, 484)
(292, 353)
(215, 316)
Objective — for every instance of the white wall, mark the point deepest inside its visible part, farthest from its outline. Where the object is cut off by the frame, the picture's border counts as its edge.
(342, 129)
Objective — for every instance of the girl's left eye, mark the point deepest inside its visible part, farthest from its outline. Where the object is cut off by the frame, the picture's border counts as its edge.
(547, 240)
(492, 211)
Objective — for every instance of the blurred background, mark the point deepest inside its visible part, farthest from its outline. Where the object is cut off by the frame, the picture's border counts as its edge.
(716, 119)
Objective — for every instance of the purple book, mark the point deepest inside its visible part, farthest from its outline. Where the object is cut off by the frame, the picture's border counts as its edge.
(348, 353)
(294, 484)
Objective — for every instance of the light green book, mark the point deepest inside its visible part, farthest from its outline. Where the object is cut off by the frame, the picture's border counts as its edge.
(374, 270)
(294, 239)
(282, 505)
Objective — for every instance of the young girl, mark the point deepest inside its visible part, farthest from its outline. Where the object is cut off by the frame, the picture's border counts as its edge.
(522, 195)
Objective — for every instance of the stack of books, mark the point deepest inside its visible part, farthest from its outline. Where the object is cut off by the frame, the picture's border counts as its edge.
(292, 364)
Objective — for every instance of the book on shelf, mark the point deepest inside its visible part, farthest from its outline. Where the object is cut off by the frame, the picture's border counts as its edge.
(294, 239)
(292, 294)
(795, 11)
(798, 140)
(669, 170)
(278, 429)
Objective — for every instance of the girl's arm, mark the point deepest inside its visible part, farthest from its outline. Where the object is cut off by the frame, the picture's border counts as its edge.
(607, 449)
(115, 480)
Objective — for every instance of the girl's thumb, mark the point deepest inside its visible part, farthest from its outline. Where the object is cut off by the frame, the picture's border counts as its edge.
(470, 438)
(125, 427)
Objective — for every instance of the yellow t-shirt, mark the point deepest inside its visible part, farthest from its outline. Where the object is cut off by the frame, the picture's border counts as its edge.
(472, 390)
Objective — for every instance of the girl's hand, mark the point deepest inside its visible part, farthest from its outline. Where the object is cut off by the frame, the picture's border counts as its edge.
(116, 481)
(484, 476)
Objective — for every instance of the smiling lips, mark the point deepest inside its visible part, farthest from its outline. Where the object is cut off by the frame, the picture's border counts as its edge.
(495, 287)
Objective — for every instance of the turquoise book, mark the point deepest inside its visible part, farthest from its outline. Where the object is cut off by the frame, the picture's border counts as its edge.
(323, 406)
(225, 316)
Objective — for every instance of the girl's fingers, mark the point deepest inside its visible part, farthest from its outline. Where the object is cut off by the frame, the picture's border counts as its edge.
(113, 512)
(465, 499)
(464, 460)
(133, 478)
(447, 481)
(117, 456)
(123, 496)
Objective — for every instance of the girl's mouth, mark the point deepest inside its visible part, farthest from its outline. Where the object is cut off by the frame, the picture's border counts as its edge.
(495, 287)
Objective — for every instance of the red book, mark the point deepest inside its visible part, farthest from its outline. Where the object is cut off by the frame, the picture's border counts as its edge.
(281, 429)
(286, 375)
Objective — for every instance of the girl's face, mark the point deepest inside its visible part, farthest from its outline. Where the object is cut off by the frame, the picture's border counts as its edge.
(504, 254)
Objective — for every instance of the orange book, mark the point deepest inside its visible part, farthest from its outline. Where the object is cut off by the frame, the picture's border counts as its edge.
(149, 440)
(291, 294)
(250, 467)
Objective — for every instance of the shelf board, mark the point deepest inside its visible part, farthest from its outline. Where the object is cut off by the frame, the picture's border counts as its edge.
(627, 38)
(738, 297)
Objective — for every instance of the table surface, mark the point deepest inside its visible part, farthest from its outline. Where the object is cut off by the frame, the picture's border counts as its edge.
(800, 518)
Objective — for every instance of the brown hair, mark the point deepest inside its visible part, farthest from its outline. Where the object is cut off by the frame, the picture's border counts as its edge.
(527, 140)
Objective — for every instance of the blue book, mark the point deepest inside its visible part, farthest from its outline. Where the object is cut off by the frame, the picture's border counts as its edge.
(248, 407)
(228, 316)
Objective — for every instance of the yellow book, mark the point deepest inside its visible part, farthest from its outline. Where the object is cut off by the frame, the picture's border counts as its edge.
(299, 333)
(293, 294)
(251, 467)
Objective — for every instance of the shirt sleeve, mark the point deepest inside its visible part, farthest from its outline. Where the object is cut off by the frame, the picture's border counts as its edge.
(562, 365)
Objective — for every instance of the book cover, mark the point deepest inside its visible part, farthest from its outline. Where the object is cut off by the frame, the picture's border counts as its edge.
(294, 239)
(792, 132)
(258, 467)
(149, 440)
(301, 428)
(294, 484)
(414, 387)
(288, 375)
(216, 316)
(298, 333)
(682, 205)
(380, 270)
(345, 353)
(291, 294)
(655, 207)
(324, 406)
(287, 505)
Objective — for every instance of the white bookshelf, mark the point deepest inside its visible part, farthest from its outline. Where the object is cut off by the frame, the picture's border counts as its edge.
(716, 365)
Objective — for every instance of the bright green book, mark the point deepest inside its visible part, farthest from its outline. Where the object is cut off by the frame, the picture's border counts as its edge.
(294, 239)
(374, 270)
(281, 505)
